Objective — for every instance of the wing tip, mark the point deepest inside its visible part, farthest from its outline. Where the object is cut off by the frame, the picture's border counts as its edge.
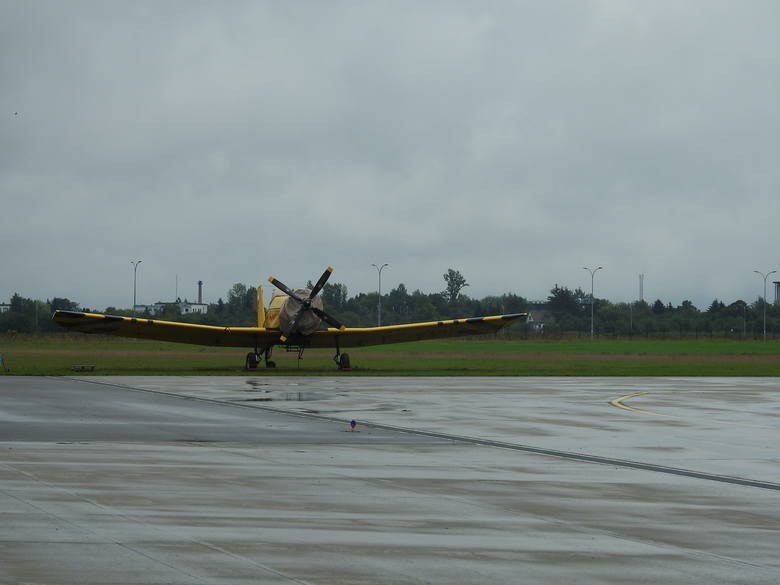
(515, 315)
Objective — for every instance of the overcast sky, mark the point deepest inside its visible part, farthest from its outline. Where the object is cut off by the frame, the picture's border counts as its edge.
(516, 142)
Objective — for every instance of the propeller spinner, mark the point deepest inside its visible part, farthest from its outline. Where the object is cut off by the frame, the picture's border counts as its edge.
(302, 312)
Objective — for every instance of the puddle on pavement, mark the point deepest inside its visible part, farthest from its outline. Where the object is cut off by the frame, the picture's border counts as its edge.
(267, 395)
(256, 385)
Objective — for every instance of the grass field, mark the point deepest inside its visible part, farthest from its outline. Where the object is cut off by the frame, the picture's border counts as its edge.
(56, 355)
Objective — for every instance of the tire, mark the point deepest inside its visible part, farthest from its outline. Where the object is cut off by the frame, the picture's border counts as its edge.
(251, 361)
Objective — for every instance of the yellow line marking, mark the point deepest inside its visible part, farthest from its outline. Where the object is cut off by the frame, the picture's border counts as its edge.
(618, 402)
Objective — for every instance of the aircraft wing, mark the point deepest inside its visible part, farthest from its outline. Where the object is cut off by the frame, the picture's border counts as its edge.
(166, 330)
(364, 336)
(262, 338)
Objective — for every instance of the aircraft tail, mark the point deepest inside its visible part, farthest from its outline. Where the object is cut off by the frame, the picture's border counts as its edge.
(260, 307)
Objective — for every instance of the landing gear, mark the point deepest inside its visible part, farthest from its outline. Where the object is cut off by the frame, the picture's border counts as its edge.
(342, 360)
(268, 362)
(253, 359)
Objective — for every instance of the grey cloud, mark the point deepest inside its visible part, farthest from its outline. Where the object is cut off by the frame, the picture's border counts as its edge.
(515, 142)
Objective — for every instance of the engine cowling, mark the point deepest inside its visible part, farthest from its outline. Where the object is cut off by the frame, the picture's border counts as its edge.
(308, 322)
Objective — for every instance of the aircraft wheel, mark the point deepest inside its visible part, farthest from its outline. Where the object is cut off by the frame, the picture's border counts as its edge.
(344, 362)
(252, 360)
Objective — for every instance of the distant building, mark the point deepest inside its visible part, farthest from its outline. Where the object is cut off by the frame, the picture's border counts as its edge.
(4, 307)
(187, 308)
(537, 316)
(184, 307)
(536, 324)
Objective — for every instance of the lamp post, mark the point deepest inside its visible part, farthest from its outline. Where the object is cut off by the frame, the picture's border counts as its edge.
(592, 274)
(135, 264)
(764, 276)
(379, 300)
(744, 319)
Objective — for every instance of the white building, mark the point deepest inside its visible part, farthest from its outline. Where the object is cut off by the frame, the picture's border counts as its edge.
(4, 307)
(185, 307)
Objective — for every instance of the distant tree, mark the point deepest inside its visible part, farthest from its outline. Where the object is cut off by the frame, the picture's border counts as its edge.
(396, 305)
(423, 307)
(506, 303)
(455, 283)
(25, 315)
(739, 309)
(567, 308)
(123, 312)
(18, 303)
(236, 294)
(334, 296)
(58, 304)
(562, 301)
(685, 318)
(169, 312)
(241, 305)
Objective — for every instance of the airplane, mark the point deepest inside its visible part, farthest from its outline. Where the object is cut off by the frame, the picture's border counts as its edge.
(294, 319)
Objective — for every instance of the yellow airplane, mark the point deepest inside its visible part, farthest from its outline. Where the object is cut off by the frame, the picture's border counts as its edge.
(294, 319)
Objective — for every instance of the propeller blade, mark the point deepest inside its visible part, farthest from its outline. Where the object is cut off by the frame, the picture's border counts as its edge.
(321, 282)
(285, 289)
(327, 318)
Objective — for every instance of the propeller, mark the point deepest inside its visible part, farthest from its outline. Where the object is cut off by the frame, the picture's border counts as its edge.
(327, 318)
(305, 304)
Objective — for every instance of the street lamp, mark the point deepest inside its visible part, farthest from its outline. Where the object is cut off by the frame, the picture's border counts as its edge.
(379, 300)
(744, 319)
(765, 276)
(592, 274)
(135, 264)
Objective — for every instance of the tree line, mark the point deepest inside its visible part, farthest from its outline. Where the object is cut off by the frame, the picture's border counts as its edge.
(564, 312)
(570, 312)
